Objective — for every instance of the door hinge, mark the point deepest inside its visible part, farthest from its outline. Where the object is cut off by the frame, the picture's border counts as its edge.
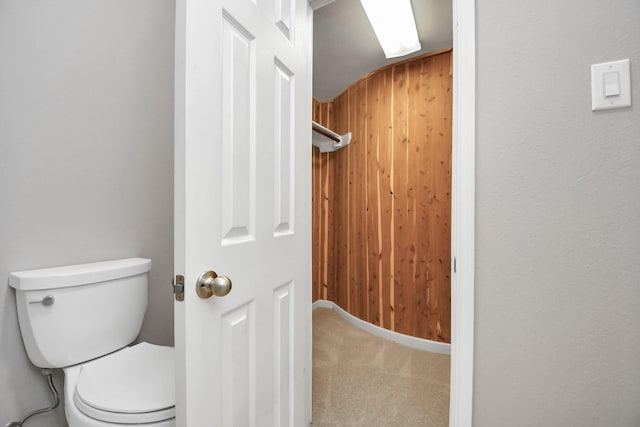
(454, 264)
(178, 287)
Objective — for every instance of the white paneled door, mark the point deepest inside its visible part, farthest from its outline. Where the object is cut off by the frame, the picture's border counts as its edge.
(242, 210)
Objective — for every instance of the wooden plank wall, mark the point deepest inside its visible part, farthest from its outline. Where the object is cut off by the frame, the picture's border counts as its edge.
(382, 206)
(322, 221)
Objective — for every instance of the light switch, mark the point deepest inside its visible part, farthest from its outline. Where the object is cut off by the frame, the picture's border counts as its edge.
(610, 85)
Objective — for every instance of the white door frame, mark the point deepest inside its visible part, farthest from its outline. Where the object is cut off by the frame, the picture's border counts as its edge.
(463, 213)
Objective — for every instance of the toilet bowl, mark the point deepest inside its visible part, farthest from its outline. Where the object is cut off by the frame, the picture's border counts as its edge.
(131, 386)
(82, 318)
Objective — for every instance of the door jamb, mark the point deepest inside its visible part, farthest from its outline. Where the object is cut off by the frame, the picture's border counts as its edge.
(463, 214)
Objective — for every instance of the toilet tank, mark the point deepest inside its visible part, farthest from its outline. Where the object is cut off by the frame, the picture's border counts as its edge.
(75, 313)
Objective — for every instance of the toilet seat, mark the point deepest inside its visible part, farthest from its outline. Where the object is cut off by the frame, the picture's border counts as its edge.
(132, 386)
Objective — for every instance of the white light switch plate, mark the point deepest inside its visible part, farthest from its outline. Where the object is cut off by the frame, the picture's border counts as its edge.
(610, 85)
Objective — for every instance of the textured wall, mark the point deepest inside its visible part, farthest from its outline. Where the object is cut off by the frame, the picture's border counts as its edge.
(382, 205)
(558, 218)
(86, 158)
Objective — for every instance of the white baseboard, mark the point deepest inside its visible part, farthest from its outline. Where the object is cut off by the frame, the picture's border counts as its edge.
(407, 340)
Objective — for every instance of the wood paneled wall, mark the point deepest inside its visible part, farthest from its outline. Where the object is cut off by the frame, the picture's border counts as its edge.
(382, 205)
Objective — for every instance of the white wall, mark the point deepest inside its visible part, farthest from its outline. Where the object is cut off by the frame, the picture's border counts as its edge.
(86, 157)
(558, 217)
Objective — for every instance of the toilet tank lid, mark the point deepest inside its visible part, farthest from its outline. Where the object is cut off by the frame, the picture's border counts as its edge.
(79, 274)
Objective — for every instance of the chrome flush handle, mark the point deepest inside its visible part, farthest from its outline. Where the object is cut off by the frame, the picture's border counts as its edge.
(48, 300)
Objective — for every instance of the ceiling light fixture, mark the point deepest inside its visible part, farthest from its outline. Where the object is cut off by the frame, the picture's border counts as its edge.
(394, 25)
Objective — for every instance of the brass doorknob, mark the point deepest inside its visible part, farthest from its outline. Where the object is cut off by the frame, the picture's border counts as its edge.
(209, 283)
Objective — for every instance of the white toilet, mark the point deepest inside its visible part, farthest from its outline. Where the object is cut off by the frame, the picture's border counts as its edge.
(81, 318)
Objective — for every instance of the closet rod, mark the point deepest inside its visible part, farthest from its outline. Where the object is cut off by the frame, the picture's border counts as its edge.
(326, 132)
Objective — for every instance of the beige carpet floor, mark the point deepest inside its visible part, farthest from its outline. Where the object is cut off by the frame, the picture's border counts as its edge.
(362, 380)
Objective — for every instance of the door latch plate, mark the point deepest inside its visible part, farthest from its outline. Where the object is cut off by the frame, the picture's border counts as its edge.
(178, 287)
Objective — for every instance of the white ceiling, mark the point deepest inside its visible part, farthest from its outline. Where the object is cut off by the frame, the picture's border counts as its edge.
(345, 47)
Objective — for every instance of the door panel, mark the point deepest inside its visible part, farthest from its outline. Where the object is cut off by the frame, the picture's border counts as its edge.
(284, 119)
(284, 15)
(238, 361)
(238, 132)
(283, 353)
(242, 191)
